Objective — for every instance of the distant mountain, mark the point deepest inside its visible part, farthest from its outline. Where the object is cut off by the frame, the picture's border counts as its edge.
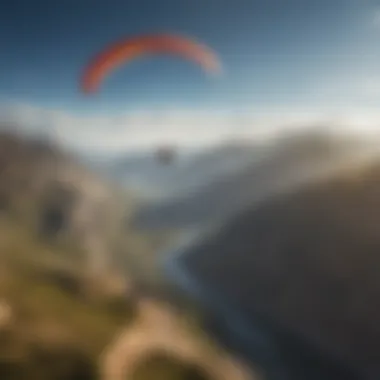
(287, 162)
(152, 179)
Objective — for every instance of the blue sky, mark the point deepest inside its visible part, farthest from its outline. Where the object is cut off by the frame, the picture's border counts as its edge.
(281, 58)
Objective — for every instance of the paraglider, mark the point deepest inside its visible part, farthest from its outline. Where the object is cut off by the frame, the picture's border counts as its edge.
(116, 54)
(165, 155)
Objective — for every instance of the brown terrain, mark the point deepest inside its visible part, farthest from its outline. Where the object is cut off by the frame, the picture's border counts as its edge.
(67, 310)
(70, 272)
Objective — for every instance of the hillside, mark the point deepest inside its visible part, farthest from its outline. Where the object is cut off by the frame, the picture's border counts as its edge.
(309, 263)
(50, 329)
(71, 287)
(287, 162)
(74, 274)
(65, 202)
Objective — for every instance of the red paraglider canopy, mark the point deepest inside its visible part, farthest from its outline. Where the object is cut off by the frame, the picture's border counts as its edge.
(117, 53)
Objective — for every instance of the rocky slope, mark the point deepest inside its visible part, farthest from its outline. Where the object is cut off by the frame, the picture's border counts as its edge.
(66, 203)
(70, 266)
(309, 263)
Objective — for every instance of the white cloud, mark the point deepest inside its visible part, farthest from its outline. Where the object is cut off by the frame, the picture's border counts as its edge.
(187, 128)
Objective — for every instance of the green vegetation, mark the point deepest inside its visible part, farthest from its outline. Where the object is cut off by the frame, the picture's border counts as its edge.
(61, 319)
(56, 332)
(40, 303)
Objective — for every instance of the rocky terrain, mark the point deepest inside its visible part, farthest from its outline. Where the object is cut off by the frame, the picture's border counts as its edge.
(71, 274)
(64, 202)
(81, 296)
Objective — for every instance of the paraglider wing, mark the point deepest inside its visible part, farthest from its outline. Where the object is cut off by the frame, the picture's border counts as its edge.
(116, 54)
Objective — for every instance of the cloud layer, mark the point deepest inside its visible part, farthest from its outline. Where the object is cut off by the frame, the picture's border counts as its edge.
(185, 128)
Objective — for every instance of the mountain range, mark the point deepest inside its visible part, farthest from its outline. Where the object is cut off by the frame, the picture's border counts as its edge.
(229, 185)
(157, 182)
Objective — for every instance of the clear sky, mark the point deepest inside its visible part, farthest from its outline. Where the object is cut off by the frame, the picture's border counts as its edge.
(281, 57)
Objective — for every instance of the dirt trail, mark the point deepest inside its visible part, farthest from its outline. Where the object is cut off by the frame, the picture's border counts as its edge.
(158, 329)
